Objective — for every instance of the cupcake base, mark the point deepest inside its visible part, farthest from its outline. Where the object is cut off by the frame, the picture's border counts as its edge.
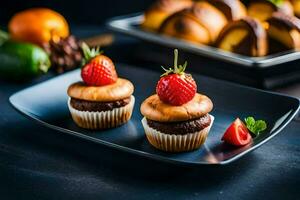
(176, 143)
(103, 119)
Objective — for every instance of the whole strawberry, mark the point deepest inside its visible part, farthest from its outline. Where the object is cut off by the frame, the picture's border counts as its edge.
(175, 87)
(98, 70)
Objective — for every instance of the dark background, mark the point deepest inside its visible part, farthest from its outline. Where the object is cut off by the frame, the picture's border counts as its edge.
(76, 12)
(39, 163)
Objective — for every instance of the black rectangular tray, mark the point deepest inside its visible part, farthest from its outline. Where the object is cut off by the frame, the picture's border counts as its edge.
(46, 103)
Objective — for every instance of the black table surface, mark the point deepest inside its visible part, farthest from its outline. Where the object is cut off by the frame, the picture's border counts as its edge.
(39, 163)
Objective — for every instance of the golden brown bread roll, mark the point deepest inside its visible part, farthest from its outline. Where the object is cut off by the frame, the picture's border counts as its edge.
(160, 10)
(283, 32)
(232, 9)
(153, 108)
(263, 9)
(296, 6)
(122, 89)
(201, 23)
(245, 36)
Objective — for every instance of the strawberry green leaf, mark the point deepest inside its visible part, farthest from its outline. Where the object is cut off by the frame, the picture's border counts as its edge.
(89, 53)
(167, 71)
(182, 67)
(177, 69)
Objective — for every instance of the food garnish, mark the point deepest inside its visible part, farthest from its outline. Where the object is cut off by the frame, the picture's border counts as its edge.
(255, 126)
(98, 70)
(175, 87)
(237, 134)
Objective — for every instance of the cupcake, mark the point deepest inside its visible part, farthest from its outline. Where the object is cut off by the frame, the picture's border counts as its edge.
(177, 118)
(102, 100)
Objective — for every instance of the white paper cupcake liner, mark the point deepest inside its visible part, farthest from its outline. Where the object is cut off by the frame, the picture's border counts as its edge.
(103, 119)
(176, 143)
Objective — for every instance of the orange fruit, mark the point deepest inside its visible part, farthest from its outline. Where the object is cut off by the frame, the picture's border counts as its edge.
(38, 26)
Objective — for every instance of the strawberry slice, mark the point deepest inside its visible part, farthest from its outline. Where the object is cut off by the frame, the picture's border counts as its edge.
(237, 134)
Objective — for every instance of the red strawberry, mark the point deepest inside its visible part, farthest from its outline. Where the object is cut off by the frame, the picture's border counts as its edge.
(99, 70)
(237, 134)
(176, 87)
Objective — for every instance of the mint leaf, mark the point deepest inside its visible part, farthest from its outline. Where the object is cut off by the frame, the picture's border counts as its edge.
(250, 123)
(260, 125)
(255, 127)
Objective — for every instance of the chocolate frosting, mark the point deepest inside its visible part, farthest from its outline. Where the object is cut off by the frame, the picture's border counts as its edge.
(285, 6)
(256, 29)
(284, 23)
(181, 128)
(281, 20)
(274, 6)
(228, 7)
(93, 106)
(180, 25)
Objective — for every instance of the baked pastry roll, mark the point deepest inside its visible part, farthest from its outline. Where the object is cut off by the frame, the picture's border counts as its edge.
(160, 10)
(283, 32)
(263, 9)
(200, 24)
(296, 6)
(232, 9)
(245, 36)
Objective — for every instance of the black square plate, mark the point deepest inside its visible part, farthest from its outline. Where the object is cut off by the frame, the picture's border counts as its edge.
(47, 104)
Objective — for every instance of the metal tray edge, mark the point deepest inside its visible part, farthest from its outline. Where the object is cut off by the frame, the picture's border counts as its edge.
(125, 24)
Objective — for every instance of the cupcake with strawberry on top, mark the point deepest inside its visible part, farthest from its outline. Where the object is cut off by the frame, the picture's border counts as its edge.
(177, 119)
(102, 100)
